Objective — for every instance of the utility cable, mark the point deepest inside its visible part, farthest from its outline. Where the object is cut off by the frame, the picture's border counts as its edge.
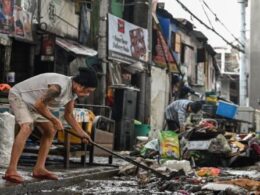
(206, 14)
(208, 27)
(217, 19)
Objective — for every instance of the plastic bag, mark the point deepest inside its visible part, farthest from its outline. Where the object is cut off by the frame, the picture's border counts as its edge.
(7, 125)
(169, 145)
(208, 171)
(151, 148)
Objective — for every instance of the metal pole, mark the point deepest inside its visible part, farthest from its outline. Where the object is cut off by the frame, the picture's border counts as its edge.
(141, 10)
(242, 73)
(102, 48)
(148, 77)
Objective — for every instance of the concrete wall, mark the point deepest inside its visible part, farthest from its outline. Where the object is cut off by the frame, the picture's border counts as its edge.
(254, 90)
(160, 86)
(65, 23)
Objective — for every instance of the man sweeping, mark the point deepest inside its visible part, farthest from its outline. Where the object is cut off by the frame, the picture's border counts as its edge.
(177, 112)
(31, 102)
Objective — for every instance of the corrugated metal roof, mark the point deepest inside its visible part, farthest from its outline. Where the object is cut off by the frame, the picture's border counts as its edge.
(75, 47)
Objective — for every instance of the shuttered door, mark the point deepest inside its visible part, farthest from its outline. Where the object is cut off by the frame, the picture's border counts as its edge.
(20, 60)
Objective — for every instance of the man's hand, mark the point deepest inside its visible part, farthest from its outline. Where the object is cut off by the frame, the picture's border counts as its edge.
(85, 137)
(57, 124)
(182, 128)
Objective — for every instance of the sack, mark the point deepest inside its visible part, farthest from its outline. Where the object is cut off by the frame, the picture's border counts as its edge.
(7, 125)
(169, 145)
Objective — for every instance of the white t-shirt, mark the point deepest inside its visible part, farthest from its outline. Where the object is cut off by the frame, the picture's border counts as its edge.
(35, 87)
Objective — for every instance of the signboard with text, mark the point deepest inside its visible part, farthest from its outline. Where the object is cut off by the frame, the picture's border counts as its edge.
(126, 41)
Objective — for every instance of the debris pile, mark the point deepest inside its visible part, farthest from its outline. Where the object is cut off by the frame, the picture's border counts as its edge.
(201, 160)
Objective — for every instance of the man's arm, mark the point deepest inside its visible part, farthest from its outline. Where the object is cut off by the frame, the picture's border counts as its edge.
(69, 117)
(41, 105)
(181, 117)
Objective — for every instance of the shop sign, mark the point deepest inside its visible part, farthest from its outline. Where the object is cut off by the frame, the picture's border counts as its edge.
(127, 42)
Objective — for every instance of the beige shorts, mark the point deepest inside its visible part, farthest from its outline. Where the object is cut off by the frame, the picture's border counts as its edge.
(23, 114)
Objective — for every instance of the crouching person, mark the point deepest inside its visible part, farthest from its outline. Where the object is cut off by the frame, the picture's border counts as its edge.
(177, 112)
(31, 101)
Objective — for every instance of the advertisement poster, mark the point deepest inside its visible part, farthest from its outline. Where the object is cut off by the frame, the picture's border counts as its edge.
(127, 42)
(22, 23)
(6, 16)
(162, 54)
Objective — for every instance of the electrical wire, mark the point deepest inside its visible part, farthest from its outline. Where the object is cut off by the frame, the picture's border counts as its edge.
(206, 14)
(208, 27)
(218, 20)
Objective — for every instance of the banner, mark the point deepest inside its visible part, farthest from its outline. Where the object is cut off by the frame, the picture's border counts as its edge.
(127, 42)
(22, 23)
(162, 55)
(6, 16)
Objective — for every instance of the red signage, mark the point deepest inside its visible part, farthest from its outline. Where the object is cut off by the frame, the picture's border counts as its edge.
(121, 26)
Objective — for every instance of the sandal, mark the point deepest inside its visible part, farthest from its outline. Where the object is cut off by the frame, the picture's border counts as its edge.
(13, 178)
(48, 176)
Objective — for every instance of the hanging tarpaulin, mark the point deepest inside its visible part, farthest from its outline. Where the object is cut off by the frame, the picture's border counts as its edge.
(6, 16)
(22, 23)
(162, 56)
(127, 42)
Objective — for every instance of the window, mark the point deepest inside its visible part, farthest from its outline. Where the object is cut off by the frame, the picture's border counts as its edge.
(176, 42)
(201, 55)
(182, 53)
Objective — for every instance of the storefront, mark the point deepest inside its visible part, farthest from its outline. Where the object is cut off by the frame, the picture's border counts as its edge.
(128, 57)
(16, 42)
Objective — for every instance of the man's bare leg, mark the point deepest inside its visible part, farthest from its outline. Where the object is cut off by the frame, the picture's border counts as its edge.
(18, 146)
(48, 133)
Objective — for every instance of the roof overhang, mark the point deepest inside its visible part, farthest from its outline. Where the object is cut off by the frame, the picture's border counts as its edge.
(75, 47)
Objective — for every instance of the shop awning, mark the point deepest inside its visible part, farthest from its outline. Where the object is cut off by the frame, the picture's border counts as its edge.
(76, 48)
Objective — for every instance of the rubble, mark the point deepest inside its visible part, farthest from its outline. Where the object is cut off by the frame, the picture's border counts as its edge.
(200, 163)
(224, 187)
(248, 184)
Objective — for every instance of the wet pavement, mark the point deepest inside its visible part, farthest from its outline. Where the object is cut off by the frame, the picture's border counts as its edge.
(67, 177)
(104, 180)
(116, 185)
